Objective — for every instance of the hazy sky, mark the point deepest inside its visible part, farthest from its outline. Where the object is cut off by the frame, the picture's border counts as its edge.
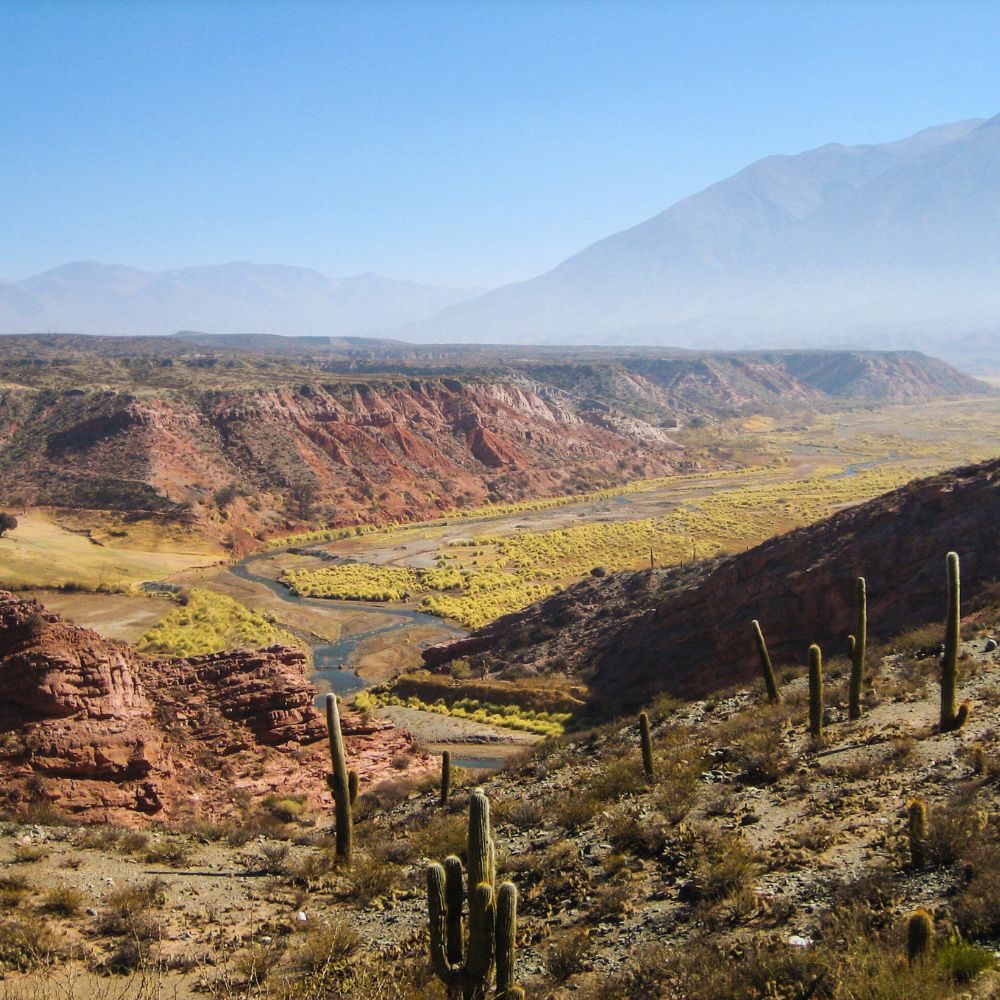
(458, 143)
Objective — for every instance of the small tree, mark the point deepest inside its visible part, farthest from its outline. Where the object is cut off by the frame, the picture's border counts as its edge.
(7, 523)
(301, 497)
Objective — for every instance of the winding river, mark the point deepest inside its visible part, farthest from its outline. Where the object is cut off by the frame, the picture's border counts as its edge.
(330, 659)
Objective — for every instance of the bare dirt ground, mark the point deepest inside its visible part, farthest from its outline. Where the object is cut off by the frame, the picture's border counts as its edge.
(124, 617)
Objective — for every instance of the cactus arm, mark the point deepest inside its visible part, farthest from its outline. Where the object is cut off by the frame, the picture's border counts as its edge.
(353, 785)
(506, 936)
(479, 844)
(815, 691)
(437, 912)
(454, 898)
(766, 667)
(858, 652)
(482, 934)
(340, 781)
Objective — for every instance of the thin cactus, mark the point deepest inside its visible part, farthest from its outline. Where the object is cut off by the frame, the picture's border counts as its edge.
(815, 691)
(466, 966)
(646, 741)
(766, 667)
(916, 813)
(506, 938)
(950, 718)
(858, 652)
(445, 777)
(340, 782)
(919, 936)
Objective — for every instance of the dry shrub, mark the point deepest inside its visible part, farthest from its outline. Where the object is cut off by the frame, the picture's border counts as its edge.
(977, 905)
(327, 944)
(63, 900)
(443, 834)
(30, 853)
(252, 966)
(286, 808)
(171, 851)
(371, 877)
(726, 868)
(523, 814)
(954, 832)
(126, 909)
(632, 831)
(14, 887)
(567, 955)
(25, 943)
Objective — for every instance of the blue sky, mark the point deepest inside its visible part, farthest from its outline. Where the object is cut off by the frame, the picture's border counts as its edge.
(467, 143)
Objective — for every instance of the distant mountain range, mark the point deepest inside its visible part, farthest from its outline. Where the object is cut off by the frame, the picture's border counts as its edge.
(887, 245)
(87, 297)
(895, 245)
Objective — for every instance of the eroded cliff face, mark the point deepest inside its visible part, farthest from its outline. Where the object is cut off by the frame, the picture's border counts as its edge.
(369, 451)
(686, 630)
(106, 735)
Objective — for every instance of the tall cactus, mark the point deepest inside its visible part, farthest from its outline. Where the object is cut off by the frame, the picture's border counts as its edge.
(815, 691)
(466, 968)
(646, 742)
(340, 782)
(916, 813)
(950, 719)
(858, 652)
(766, 667)
(919, 935)
(445, 777)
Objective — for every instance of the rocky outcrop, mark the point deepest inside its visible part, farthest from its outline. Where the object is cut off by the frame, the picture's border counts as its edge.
(104, 734)
(686, 630)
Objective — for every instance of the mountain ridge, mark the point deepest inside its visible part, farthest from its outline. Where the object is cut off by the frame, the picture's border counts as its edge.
(741, 263)
(236, 297)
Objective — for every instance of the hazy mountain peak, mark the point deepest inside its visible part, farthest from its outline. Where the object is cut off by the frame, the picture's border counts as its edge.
(91, 297)
(830, 246)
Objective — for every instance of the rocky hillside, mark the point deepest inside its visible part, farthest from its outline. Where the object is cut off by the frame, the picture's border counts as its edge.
(686, 630)
(339, 452)
(89, 726)
(758, 863)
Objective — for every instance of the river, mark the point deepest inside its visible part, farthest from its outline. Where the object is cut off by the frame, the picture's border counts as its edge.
(330, 660)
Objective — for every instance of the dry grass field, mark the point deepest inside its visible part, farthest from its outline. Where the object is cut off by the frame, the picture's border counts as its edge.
(49, 550)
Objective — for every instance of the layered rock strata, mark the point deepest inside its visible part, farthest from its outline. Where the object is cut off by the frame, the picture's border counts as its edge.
(103, 734)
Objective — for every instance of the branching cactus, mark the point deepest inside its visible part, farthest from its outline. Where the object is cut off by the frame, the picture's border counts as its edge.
(465, 966)
(858, 652)
(919, 936)
(916, 813)
(445, 777)
(766, 667)
(340, 782)
(646, 741)
(815, 691)
(950, 718)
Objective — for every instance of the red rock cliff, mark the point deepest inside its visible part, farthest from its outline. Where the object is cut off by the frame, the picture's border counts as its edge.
(104, 734)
